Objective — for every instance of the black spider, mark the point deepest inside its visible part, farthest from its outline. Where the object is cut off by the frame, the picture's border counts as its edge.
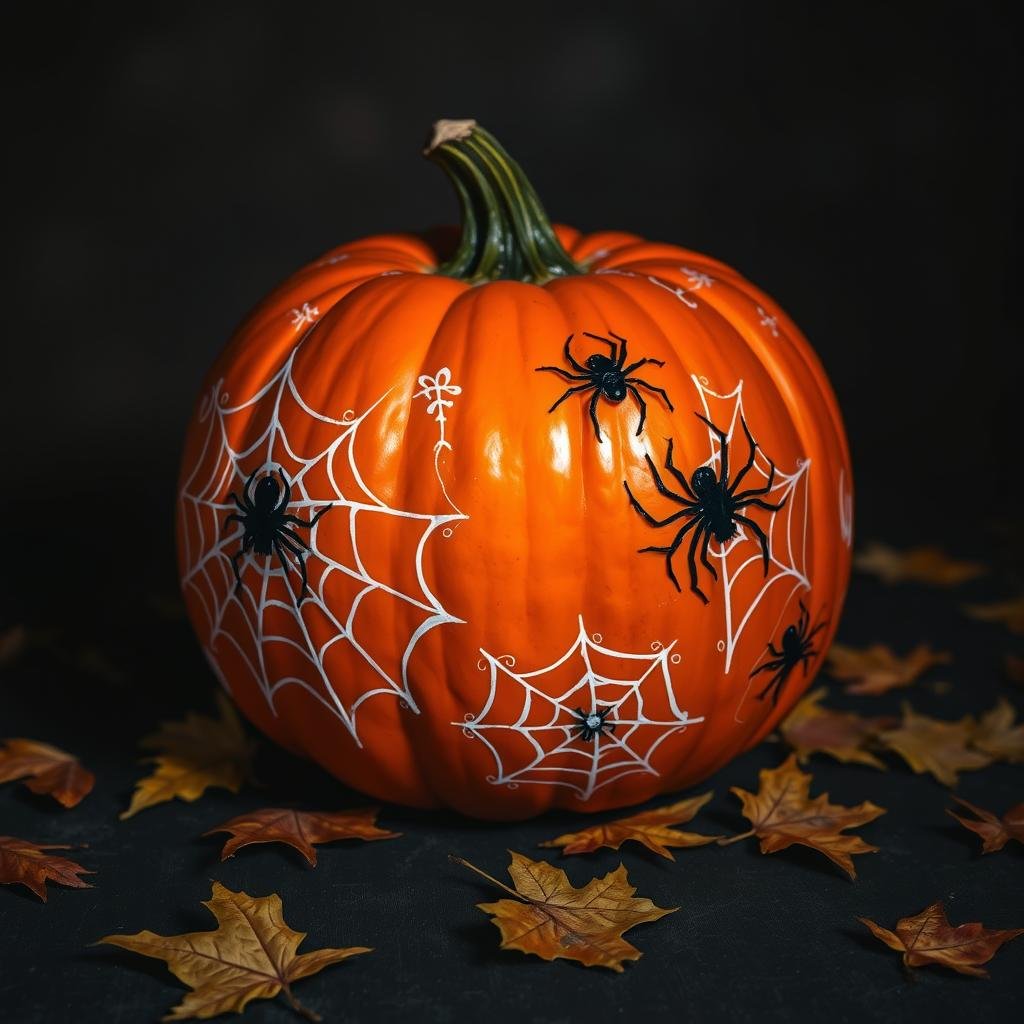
(266, 525)
(607, 376)
(711, 506)
(797, 647)
(592, 723)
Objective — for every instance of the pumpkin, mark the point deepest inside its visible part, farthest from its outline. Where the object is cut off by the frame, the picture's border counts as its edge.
(516, 518)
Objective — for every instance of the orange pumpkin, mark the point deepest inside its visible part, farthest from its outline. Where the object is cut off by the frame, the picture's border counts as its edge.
(458, 559)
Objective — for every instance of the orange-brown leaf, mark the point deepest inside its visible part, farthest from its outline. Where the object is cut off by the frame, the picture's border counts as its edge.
(810, 728)
(1009, 613)
(45, 769)
(252, 954)
(936, 746)
(648, 827)
(194, 754)
(29, 864)
(998, 735)
(996, 832)
(918, 565)
(929, 938)
(782, 814)
(300, 829)
(550, 918)
(877, 669)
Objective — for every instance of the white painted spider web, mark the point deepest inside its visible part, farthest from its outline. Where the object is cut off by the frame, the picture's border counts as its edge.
(742, 582)
(338, 643)
(543, 745)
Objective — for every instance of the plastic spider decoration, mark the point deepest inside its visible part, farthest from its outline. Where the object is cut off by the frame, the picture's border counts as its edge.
(712, 506)
(267, 526)
(592, 723)
(796, 647)
(608, 376)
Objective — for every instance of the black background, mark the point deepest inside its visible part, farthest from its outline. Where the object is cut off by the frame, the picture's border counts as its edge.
(169, 167)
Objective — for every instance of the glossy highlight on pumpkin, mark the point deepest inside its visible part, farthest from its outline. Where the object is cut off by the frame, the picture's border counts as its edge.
(471, 584)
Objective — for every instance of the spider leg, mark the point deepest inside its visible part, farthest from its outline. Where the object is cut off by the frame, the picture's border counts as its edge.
(622, 349)
(563, 373)
(817, 629)
(238, 501)
(593, 415)
(759, 533)
(247, 491)
(571, 391)
(691, 560)
(680, 476)
(233, 518)
(300, 561)
(650, 387)
(610, 726)
(284, 531)
(611, 344)
(286, 494)
(704, 556)
(768, 665)
(758, 503)
(669, 551)
(660, 484)
(802, 621)
(723, 447)
(642, 362)
(295, 520)
(806, 659)
(773, 652)
(571, 359)
(758, 490)
(776, 683)
(235, 559)
(643, 407)
(647, 515)
(750, 461)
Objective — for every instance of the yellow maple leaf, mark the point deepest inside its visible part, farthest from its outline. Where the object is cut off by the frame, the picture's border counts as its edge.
(194, 754)
(920, 565)
(876, 669)
(648, 827)
(550, 918)
(810, 728)
(936, 746)
(998, 735)
(252, 954)
(782, 814)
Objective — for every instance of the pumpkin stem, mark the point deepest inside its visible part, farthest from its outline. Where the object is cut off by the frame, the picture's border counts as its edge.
(506, 235)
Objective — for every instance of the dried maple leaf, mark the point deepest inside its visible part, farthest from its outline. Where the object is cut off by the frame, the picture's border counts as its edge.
(29, 864)
(46, 770)
(919, 565)
(550, 918)
(648, 827)
(783, 814)
(936, 746)
(1010, 613)
(998, 735)
(252, 954)
(929, 938)
(194, 754)
(877, 669)
(810, 728)
(300, 829)
(996, 832)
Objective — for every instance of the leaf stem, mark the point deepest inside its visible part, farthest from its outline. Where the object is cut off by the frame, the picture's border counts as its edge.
(735, 839)
(302, 1011)
(483, 874)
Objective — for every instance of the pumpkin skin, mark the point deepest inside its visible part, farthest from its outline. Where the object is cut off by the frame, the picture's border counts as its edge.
(472, 553)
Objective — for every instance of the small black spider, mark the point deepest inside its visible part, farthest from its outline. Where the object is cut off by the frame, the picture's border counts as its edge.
(592, 723)
(608, 376)
(712, 505)
(266, 525)
(797, 647)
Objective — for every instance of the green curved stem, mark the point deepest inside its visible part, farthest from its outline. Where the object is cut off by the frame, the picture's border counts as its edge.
(506, 235)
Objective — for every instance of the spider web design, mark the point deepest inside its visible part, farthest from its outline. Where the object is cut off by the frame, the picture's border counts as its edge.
(542, 745)
(264, 619)
(741, 575)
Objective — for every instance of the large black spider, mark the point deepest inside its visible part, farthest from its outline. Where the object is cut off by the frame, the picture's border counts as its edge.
(608, 376)
(266, 525)
(711, 505)
(796, 647)
(592, 723)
